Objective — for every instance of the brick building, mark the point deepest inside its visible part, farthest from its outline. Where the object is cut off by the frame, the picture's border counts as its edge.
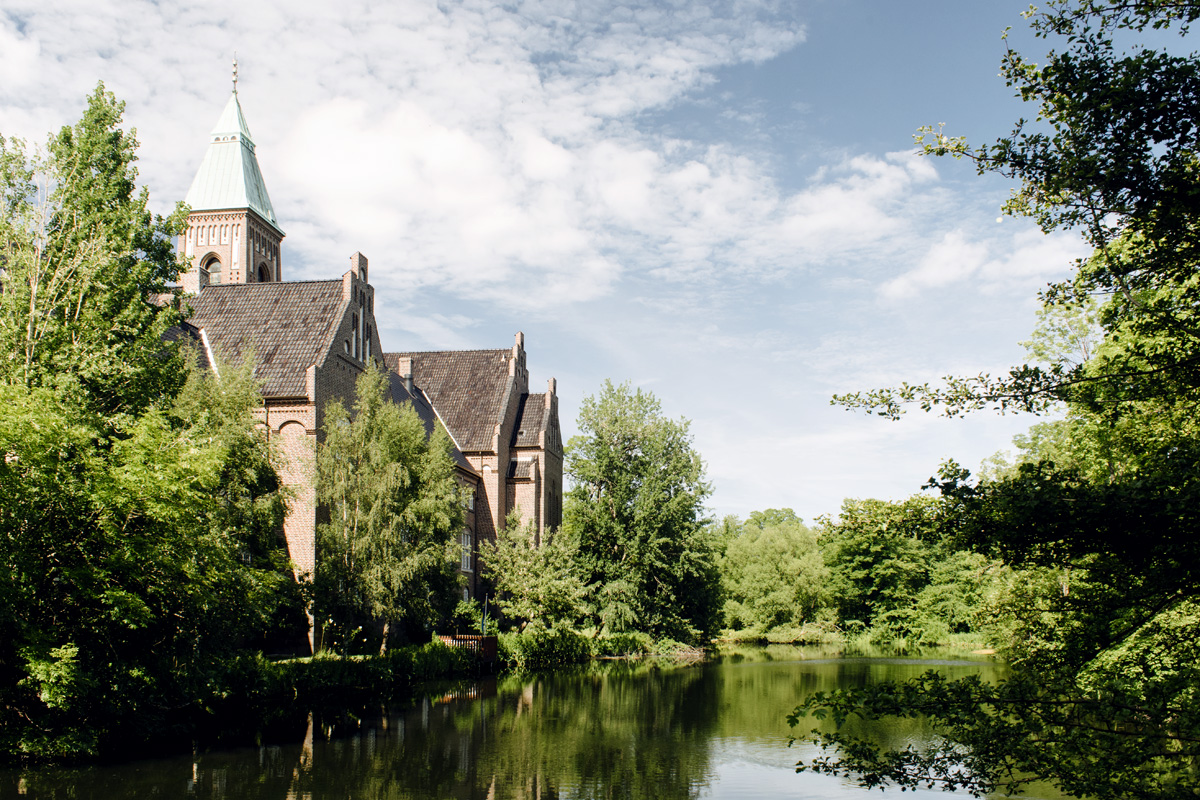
(311, 339)
(511, 438)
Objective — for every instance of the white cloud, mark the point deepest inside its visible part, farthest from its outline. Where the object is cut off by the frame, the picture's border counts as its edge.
(18, 59)
(1018, 261)
(953, 259)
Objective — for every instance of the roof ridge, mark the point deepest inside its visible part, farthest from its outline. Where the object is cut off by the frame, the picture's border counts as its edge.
(430, 352)
(247, 286)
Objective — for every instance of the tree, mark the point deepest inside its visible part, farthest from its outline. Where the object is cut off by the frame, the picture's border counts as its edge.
(533, 584)
(637, 511)
(1099, 627)
(84, 264)
(1100, 515)
(138, 503)
(773, 573)
(878, 555)
(389, 552)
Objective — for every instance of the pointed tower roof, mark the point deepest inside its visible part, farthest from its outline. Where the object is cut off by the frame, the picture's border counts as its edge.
(229, 176)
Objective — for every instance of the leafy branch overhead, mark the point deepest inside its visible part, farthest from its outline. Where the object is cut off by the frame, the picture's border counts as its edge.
(1112, 154)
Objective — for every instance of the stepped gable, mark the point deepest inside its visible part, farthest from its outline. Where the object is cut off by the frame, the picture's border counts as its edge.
(467, 388)
(289, 327)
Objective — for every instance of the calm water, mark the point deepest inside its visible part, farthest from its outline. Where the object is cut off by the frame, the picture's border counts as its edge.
(615, 730)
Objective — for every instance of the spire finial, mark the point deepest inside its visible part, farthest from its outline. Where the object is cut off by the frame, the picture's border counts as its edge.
(235, 72)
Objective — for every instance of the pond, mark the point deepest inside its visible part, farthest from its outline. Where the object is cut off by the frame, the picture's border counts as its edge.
(612, 730)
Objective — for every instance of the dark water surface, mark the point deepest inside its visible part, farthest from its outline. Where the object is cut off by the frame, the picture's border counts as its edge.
(613, 730)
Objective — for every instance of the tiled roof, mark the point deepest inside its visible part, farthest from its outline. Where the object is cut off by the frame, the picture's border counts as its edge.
(289, 326)
(229, 176)
(531, 417)
(521, 470)
(466, 387)
(190, 335)
(425, 411)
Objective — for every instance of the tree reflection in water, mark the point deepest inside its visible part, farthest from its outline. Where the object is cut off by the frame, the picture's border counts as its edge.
(613, 730)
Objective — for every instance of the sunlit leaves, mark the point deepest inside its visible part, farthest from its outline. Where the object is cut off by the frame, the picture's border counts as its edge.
(389, 550)
(637, 510)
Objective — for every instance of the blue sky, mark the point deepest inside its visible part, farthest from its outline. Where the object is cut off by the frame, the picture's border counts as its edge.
(717, 202)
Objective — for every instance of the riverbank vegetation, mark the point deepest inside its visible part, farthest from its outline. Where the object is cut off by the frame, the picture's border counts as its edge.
(879, 573)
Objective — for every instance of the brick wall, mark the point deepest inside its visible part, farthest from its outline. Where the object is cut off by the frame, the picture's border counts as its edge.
(239, 239)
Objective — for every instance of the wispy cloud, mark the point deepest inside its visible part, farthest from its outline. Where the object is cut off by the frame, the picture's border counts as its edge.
(1027, 259)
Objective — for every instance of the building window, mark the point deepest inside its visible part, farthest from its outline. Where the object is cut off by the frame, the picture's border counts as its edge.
(212, 268)
(466, 552)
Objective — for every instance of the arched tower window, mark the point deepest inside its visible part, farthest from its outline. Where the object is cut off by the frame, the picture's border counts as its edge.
(212, 268)
(264, 273)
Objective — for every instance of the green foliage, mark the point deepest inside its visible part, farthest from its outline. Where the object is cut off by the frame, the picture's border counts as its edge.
(878, 555)
(1093, 745)
(636, 510)
(134, 559)
(1098, 516)
(138, 503)
(254, 693)
(895, 577)
(468, 618)
(538, 647)
(534, 583)
(774, 574)
(630, 643)
(389, 551)
(83, 263)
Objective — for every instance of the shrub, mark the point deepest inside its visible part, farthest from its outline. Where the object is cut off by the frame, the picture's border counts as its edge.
(631, 643)
(540, 647)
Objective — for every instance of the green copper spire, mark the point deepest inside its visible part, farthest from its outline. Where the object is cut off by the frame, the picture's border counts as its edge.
(229, 177)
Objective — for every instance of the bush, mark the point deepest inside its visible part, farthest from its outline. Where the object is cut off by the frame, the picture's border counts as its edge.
(533, 648)
(631, 643)
(253, 686)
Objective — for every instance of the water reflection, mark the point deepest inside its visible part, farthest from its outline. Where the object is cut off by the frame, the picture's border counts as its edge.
(614, 730)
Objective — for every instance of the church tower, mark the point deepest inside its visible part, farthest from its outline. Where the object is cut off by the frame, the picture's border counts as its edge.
(232, 235)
